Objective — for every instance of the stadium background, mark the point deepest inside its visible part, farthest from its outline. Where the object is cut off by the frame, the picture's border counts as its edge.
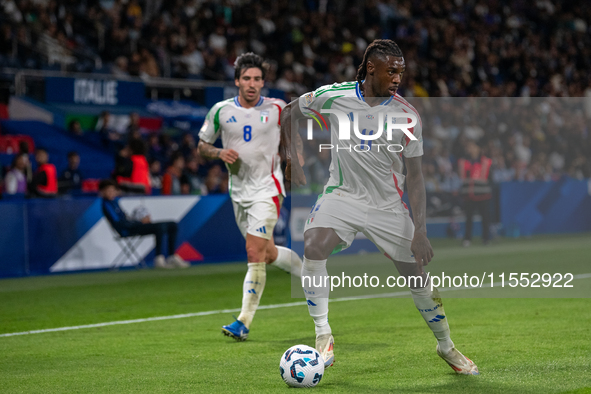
(64, 64)
(157, 66)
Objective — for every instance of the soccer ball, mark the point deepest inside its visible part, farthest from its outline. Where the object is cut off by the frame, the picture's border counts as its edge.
(301, 366)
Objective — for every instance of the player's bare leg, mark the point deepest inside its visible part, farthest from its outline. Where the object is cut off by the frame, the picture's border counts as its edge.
(283, 258)
(318, 245)
(430, 305)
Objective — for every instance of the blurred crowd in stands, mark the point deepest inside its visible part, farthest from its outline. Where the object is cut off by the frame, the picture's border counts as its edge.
(144, 163)
(154, 163)
(21, 180)
(452, 48)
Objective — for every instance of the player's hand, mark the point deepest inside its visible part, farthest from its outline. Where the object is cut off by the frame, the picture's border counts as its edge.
(301, 159)
(295, 174)
(421, 249)
(228, 155)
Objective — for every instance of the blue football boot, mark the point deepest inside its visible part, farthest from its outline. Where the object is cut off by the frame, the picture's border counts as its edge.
(236, 330)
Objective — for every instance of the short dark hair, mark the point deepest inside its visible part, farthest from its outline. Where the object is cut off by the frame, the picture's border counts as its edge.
(175, 156)
(246, 61)
(72, 153)
(39, 150)
(377, 47)
(105, 183)
(137, 146)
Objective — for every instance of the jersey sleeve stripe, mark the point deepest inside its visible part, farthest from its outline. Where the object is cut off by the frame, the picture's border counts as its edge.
(277, 184)
(407, 138)
(279, 119)
(402, 101)
(216, 120)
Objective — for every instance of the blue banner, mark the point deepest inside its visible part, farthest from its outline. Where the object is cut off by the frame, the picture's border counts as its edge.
(530, 208)
(94, 91)
(184, 115)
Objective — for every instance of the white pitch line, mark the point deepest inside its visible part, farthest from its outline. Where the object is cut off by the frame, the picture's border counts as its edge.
(235, 310)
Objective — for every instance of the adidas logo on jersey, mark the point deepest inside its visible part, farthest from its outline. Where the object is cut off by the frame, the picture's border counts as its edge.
(232, 120)
(262, 230)
(251, 291)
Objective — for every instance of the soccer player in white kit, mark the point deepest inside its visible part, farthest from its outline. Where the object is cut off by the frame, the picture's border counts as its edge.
(364, 192)
(250, 130)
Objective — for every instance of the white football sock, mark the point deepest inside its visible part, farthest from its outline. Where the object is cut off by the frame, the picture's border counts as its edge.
(288, 261)
(313, 274)
(430, 306)
(252, 291)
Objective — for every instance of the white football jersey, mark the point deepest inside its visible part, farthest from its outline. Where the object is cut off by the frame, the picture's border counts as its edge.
(254, 133)
(369, 171)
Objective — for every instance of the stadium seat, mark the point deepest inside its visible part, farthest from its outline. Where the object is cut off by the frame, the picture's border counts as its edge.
(8, 144)
(3, 111)
(90, 185)
(28, 140)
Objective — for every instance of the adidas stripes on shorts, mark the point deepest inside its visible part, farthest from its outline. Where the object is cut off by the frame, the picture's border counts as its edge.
(258, 218)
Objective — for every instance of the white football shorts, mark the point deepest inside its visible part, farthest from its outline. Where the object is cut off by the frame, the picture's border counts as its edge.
(390, 231)
(258, 218)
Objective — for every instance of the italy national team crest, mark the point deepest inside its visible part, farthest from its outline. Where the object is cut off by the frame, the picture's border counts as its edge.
(264, 116)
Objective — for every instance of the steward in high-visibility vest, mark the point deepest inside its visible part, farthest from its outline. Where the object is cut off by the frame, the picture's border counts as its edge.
(475, 172)
(44, 182)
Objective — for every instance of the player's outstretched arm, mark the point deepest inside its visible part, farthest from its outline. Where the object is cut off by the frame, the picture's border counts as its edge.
(289, 145)
(420, 247)
(209, 151)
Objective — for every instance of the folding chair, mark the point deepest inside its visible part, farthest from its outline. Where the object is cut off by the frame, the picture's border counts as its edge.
(128, 252)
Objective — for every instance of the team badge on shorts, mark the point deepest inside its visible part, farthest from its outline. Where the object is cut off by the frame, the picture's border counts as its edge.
(264, 116)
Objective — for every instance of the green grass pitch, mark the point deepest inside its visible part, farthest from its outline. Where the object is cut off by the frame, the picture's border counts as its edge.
(382, 345)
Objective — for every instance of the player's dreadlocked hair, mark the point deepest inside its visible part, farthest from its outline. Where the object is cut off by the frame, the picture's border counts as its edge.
(379, 47)
(246, 61)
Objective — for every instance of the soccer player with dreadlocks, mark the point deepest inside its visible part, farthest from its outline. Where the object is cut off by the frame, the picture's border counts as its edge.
(364, 192)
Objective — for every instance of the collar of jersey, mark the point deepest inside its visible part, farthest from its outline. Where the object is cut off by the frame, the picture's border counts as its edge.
(238, 102)
(360, 94)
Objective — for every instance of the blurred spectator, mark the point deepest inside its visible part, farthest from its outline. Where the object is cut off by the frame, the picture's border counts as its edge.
(134, 125)
(171, 182)
(187, 144)
(139, 179)
(23, 148)
(148, 65)
(75, 127)
(192, 60)
(44, 183)
(71, 178)
(155, 150)
(475, 172)
(119, 67)
(191, 182)
(15, 181)
(156, 175)
(106, 128)
(123, 163)
(215, 182)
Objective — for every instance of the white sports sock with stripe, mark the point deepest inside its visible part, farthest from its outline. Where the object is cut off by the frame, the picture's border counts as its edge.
(430, 306)
(288, 261)
(313, 274)
(252, 291)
